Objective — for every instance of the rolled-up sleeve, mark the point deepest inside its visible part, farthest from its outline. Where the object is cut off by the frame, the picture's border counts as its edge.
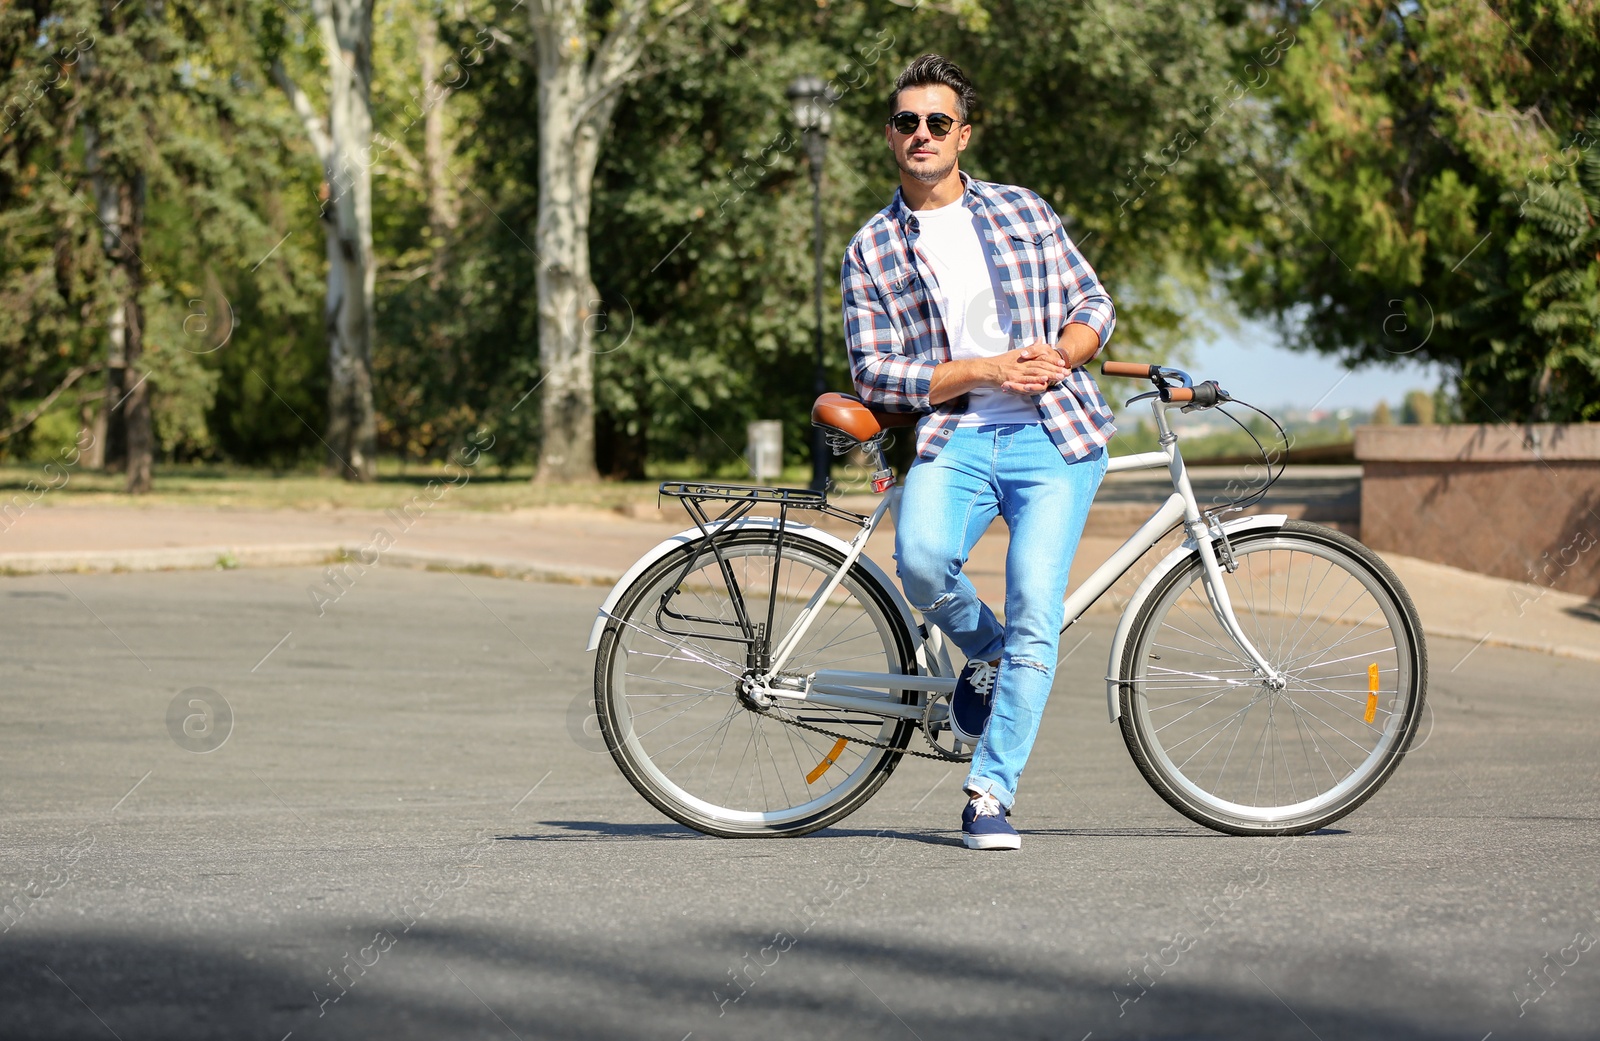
(883, 373)
(1086, 300)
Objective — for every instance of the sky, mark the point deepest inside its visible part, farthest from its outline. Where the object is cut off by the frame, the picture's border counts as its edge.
(1252, 364)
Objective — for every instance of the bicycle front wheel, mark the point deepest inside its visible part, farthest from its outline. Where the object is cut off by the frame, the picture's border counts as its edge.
(668, 698)
(1223, 748)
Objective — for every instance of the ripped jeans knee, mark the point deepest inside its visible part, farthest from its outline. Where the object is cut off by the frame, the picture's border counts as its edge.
(940, 602)
(1025, 663)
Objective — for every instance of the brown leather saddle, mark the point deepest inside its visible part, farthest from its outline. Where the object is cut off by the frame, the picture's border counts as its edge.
(848, 416)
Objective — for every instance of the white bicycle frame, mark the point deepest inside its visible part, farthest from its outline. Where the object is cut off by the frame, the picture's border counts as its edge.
(877, 693)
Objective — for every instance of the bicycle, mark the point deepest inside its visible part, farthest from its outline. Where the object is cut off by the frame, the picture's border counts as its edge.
(1268, 674)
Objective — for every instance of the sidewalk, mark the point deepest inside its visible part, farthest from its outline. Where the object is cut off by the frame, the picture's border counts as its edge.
(595, 547)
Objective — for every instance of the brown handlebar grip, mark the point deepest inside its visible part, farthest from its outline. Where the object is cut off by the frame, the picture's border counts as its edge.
(1135, 369)
(1180, 394)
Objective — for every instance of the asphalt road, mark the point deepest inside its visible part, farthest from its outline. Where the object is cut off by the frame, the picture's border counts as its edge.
(401, 838)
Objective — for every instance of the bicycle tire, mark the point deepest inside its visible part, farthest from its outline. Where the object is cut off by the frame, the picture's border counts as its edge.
(633, 631)
(1144, 695)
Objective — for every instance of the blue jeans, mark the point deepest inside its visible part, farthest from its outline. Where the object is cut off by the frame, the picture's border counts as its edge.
(1017, 473)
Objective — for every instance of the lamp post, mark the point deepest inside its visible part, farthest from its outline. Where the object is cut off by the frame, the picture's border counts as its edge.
(813, 112)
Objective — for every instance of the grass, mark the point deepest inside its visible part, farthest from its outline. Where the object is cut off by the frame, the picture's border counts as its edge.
(245, 488)
(486, 487)
(237, 487)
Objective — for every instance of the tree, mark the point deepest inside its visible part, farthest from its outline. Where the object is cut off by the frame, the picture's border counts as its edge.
(1418, 408)
(177, 96)
(125, 56)
(342, 141)
(51, 262)
(126, 77)
(1381, 416)
(1438, 197)
(582, 58)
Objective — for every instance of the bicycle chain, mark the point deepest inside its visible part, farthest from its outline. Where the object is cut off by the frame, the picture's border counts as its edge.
(867, 741)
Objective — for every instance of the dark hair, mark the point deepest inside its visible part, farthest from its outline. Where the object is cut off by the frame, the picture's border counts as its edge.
(934, 70)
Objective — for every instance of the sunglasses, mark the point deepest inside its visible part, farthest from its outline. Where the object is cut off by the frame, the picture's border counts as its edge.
(939, 124)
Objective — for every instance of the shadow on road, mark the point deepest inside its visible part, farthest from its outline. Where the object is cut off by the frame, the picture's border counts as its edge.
(438, 981)
(589, 831)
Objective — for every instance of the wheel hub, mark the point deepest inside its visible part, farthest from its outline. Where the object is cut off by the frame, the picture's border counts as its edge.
(1276, 684)
(752, 691)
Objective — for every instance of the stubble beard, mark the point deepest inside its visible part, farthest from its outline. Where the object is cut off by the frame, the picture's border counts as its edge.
(927, 175)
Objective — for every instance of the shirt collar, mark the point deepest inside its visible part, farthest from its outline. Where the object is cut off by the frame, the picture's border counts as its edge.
(906, 217)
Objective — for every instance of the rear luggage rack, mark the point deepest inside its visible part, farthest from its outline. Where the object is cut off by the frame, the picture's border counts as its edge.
(800, 498)
(742, 498)
(714, 531)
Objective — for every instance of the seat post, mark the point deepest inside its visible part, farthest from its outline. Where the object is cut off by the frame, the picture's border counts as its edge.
(883, 477)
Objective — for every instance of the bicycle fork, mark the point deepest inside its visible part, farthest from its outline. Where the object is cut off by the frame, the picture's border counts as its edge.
(1200, 528)
(1222, 603)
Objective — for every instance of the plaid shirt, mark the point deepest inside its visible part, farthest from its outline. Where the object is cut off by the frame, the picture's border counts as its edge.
(896, 336)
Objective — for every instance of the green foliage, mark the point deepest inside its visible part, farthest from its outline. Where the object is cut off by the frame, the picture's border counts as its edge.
(1436, 197)
(1418, 408)
(209, 136)
(50, 256)
(1412, 182)
(456, 345)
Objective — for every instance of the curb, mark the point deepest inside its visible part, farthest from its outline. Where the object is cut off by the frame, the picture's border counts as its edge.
(186, 558)
(1555, 650)
(226, 558)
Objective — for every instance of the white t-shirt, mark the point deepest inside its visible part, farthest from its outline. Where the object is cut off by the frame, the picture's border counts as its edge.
(973, 307)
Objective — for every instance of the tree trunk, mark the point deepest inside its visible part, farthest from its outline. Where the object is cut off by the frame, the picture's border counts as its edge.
(442, 213)
(110, 433)
(568, 150)
(109, 427)
(136, 416)
(348, 313)
(126, 427)
(578, 90)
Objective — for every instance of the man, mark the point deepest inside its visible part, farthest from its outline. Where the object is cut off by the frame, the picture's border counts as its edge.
(967, 299)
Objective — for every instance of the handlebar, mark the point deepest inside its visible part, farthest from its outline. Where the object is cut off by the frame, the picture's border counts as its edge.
(1173, 385)
(1202, 395)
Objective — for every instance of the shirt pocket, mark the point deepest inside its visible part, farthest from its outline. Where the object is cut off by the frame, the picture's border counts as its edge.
(899, 284)
(1024, 267)
(1019, 262)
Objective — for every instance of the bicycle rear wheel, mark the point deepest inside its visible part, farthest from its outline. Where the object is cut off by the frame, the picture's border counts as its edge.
(667, 688)
(1221, 747)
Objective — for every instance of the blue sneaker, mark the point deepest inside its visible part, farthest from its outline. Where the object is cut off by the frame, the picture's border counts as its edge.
(969, 705)
(984, 825)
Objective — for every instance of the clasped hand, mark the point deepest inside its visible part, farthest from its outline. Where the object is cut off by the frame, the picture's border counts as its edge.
(1031, 369)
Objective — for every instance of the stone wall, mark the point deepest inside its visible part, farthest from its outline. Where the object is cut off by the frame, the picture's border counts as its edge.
(1518, 502)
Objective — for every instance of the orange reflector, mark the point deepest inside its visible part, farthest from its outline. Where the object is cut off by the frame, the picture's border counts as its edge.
(827, 761)
(1372, 696)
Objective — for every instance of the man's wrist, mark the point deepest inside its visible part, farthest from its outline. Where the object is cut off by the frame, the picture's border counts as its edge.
(1075, 349)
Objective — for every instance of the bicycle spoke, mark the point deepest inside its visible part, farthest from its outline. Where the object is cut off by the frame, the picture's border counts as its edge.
(695, 743)
(1320, 622)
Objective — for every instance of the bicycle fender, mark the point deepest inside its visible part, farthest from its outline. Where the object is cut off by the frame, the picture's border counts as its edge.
(1172, 560)
(688, 535)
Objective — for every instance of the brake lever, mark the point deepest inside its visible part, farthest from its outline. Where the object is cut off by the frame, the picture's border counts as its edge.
(1141, 397)
(1221, 397)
